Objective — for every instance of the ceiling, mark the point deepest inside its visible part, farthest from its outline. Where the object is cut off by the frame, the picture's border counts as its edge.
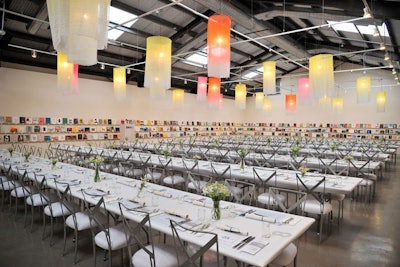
(286, 31)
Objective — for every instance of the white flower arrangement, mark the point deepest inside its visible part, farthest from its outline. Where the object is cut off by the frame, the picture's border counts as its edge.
(303, 170)
(196, 158)
(243, 153)
(96, 160)
(216, 191)
(348, 158)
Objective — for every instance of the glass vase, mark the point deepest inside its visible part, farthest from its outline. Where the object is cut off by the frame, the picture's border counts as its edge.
(97, 174)
(216, 211)
(242, 164)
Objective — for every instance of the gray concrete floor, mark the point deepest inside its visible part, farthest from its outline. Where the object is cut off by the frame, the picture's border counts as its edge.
(369, 235)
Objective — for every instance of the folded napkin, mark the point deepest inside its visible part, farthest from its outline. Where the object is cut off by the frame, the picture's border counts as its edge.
(202, 203)
(232, 230)
(177, 213)
(96, 192)
(162, 193)
(260, 217)
(141, 203)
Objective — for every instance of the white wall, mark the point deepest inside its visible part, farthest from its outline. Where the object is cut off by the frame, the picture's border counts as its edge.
(28, 93)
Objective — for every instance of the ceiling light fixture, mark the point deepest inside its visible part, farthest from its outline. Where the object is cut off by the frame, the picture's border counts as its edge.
(128, 71)
(102, 66)
(33, 54)
(382, 46)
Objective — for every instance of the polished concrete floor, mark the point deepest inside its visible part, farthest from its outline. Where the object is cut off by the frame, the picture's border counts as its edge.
(368, 236)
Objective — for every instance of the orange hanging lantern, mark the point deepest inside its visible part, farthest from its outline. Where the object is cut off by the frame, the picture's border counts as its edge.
(214, 88)
(219, 46)
(290, 102)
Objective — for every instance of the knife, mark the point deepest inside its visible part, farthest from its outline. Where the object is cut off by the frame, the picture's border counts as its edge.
(243, 242)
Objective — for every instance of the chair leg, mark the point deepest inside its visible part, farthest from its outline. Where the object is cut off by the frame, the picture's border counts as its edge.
(76, 245)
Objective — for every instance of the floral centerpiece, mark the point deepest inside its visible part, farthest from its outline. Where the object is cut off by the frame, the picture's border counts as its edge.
(242, 154)
(196, 158)
(217, 191)
(295, 150)
(26, 156)
(10, 150)
(166, 152)
(96, 162)
(53, 163)
(143, 183)
(303, 170)
(333, 147)
(348, 158)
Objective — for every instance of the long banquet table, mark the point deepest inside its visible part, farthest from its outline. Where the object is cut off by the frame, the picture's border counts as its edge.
(336, 184)
(162, 202)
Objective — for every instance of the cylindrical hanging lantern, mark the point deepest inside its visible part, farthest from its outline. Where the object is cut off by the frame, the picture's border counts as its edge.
(259, 100)
(363, 89)
(290, 102)
(240, 96)
(381, 101)
(304, 91)
(79, 28)
(321, 75)
(201, 88)
(178, 97)
(65, 72)
(75, 78)
(119, 83)
(267, 104)
(219, 46)
(269, 80)
(324, 103)
(337, 104)
(214, 88)
(157, 74)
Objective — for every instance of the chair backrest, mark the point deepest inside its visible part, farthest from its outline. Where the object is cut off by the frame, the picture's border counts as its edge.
(221, 171)
(144, 159)
(133, 233)
(39, 185)
(190, 165)
(265, 181)
(241, 190)
(96, 218)
(312, 191)
(193, 259)
(294, 199)
(64, 197)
